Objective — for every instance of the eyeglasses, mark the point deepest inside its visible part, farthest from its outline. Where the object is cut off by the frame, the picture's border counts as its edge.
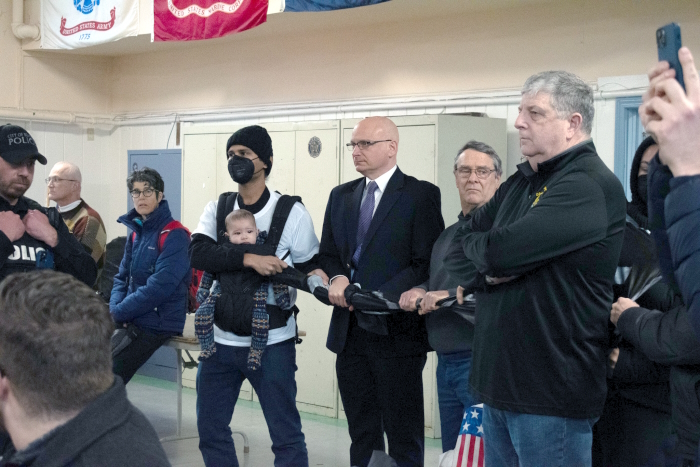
(147, 193)
(56, 180)
(481, 172)
(364, 144)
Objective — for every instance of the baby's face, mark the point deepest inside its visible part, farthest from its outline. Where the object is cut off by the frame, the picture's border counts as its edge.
(242, 231)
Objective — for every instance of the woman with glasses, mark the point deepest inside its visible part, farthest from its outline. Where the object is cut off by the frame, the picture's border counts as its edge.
(149, 296)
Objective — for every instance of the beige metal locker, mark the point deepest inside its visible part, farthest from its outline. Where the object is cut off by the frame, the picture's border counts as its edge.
(428, 145)
(315, 175)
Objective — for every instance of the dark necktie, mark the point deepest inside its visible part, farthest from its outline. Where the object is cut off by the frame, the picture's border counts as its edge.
(366, 211)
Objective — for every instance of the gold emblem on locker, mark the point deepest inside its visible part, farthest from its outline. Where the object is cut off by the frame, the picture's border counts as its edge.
(315, 146)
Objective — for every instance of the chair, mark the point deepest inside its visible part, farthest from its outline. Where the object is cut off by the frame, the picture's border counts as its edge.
(188, 343)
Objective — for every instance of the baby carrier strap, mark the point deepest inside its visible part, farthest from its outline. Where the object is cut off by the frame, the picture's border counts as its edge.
(279, 218)
(224, 206)
(283, 208)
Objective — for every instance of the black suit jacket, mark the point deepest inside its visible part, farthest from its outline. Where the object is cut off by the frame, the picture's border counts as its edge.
(395, 256)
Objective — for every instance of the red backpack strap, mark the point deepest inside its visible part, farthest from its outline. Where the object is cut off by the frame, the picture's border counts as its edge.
(172, 225)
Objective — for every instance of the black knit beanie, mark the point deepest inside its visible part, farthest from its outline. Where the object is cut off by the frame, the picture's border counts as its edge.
(257, 140)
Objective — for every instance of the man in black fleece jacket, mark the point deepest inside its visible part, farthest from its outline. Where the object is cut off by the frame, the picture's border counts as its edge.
(477, 172)
(546, 247)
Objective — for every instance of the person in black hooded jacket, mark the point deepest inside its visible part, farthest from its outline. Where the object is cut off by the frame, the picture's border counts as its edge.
(667, 338)
(637, 208)
(636, 419)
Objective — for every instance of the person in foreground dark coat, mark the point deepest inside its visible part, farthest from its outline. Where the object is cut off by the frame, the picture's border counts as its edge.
(636, 419)
(60, 402)
(672, 117)
(668, 339)
(380, 358)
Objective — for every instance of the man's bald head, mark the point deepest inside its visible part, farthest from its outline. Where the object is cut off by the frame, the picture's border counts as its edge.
(380, 138)
(67, 170)
(383, 126)
(64, 183)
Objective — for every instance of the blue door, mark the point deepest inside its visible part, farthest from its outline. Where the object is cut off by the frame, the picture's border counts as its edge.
(168, 163)
(629, 134)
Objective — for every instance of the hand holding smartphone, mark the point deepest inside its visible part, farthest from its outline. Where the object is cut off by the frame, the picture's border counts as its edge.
(668, 42)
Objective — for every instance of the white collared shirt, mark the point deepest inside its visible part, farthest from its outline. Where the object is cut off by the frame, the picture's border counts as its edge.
(69, 207)
(382, 181)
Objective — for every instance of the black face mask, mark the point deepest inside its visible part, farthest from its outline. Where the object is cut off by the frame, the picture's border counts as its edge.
(642, 188)
(241, 169)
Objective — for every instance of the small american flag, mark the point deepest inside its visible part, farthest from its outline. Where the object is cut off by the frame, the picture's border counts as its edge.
(470, 443)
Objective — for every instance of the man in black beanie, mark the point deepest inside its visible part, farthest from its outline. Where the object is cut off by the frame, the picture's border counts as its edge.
(258, 141)
(220, 376)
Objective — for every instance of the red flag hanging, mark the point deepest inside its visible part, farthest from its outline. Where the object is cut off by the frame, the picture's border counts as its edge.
(186, 20)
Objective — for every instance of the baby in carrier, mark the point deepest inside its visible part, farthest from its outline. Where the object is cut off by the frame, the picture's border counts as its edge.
(238, 301)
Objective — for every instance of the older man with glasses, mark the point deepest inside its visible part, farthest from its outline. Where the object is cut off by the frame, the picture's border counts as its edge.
(149, 296)
(477, 171)
(64, 186)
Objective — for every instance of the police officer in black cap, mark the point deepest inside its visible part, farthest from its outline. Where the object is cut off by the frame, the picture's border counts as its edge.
(31, 236)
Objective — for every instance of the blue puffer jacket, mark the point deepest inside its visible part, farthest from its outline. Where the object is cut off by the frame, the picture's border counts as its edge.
(151, 289)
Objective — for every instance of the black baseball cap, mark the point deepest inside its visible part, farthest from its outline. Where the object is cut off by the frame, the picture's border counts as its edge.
(16, 145)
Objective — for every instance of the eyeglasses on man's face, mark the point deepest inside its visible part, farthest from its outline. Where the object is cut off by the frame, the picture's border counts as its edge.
(364, 144)
(57, 179)
(481, 172)
(147, 193)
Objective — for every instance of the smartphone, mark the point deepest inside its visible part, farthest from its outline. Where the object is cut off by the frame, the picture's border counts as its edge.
(668, 42)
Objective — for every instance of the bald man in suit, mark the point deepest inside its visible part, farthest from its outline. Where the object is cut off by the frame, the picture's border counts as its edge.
(378, 232)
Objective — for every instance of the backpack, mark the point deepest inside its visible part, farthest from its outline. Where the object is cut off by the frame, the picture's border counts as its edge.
(195, 274)
(279, 219)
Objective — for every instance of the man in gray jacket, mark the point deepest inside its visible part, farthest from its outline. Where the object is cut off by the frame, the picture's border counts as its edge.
(477, 172)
